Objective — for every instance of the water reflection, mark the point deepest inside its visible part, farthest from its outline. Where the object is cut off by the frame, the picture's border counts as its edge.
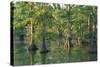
(56, 55)
(69, 54)
(31, 57)
(43, 58)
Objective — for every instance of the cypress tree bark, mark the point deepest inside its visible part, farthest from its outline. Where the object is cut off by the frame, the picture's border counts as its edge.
(69, 33)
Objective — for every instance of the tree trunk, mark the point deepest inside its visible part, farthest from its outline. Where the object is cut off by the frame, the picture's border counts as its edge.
(69, 33)
(43, 47)
(88, 24)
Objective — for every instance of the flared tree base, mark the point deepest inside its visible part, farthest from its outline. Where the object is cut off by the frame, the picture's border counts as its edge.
(44, 51)
(33, 47)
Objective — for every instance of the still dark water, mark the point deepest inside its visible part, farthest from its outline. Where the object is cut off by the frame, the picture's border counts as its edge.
(57, 54)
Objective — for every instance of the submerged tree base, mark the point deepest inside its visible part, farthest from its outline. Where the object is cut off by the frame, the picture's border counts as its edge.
(32, 47)
(44, 51)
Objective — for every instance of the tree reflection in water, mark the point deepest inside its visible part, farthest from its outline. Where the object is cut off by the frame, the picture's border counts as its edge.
(43, 58)
(32, 57)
